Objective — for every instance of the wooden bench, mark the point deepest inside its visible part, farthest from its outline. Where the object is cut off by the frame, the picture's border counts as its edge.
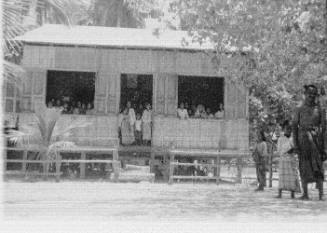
(217, 155)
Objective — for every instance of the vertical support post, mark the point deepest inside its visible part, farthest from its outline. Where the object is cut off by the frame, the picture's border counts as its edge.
(58, 165)
(151, 161)
(239, 170)
(115, 164)
(24, 158)
(5, 161)
(82, 165)
(217, 163)
(270, 170)
(171, 168)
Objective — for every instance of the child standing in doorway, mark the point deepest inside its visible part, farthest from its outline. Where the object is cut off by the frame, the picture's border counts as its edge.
(138, 129)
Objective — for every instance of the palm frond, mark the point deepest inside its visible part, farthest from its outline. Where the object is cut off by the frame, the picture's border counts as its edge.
(54, 147)
(13, 73)
(66, 131)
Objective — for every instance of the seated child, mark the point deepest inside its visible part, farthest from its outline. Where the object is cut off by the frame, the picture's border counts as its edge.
(182, 112)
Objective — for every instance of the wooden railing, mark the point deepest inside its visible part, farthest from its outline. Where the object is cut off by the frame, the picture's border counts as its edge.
(213, 154)
(82, 151)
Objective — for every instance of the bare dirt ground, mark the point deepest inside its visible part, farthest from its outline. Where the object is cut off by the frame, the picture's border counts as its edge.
(105, 201)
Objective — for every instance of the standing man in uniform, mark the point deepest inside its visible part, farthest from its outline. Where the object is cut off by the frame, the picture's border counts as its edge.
(309, 126)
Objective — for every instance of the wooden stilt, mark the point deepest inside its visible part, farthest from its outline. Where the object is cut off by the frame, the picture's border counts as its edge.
(217, 161)
(82, 165)
(171, 169)
(58, 165)
(239, 170)
(115, 164)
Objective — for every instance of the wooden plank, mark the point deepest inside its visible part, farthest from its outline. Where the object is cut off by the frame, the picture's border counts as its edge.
(16, 172)
(28, 161)
(195, 164)
(196, 177)
(82, 165)
(83, 161)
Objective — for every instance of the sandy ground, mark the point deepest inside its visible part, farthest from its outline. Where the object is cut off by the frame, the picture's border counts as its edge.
(105, 201)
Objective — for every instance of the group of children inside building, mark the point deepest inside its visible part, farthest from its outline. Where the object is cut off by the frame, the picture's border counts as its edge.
(72, 107)
(200, 111)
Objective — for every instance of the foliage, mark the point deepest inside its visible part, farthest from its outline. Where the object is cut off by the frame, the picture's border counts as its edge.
(18, 17)
(277, 46)
(45, 134)
(120, 13)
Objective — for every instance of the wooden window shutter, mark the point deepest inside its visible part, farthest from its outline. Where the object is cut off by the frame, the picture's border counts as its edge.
(236, 100)
(34, 90)
(171, 94)
(113, 95)
(100, 94)
(39, 88)
(159, 93)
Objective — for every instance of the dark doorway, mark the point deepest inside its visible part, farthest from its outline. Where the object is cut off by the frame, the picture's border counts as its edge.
(136, 88)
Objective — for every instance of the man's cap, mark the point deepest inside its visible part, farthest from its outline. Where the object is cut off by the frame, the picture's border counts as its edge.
(310, 89)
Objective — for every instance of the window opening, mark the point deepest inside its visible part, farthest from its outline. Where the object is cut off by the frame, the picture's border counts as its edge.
(200, 97)
(73, 91)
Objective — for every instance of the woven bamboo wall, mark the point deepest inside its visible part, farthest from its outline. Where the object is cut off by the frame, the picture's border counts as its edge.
(101, 132)
(198, 133)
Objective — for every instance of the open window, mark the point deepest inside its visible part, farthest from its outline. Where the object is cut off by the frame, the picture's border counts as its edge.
(73, 91)
(137, 89)
(203, 97)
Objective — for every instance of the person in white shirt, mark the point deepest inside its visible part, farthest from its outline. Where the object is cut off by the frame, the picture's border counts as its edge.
(182, 112)
(131, 114)
(220, 113)
(209, 114)
(128, 125)
(146, 124)
(288, 171)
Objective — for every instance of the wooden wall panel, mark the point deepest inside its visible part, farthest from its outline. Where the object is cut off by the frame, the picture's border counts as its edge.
(159, 93)
(198, 133)
(236, 96)
(171, 94)
(64, 59)
(39, 83)
(110, 59)
(113, 92)
(166, 61)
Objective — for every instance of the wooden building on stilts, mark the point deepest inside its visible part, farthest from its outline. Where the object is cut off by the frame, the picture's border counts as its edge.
(107, 67)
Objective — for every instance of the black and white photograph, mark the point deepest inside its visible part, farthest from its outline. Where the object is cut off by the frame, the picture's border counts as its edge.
(127, 115)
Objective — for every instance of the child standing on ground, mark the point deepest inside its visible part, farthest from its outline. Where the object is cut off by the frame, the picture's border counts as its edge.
(288, 175)
(259, 156)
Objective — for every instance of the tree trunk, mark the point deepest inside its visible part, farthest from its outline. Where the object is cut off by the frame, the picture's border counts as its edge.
(119, 12)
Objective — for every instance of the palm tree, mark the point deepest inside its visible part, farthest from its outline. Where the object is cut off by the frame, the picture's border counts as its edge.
(20, 16)
(45, 134)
